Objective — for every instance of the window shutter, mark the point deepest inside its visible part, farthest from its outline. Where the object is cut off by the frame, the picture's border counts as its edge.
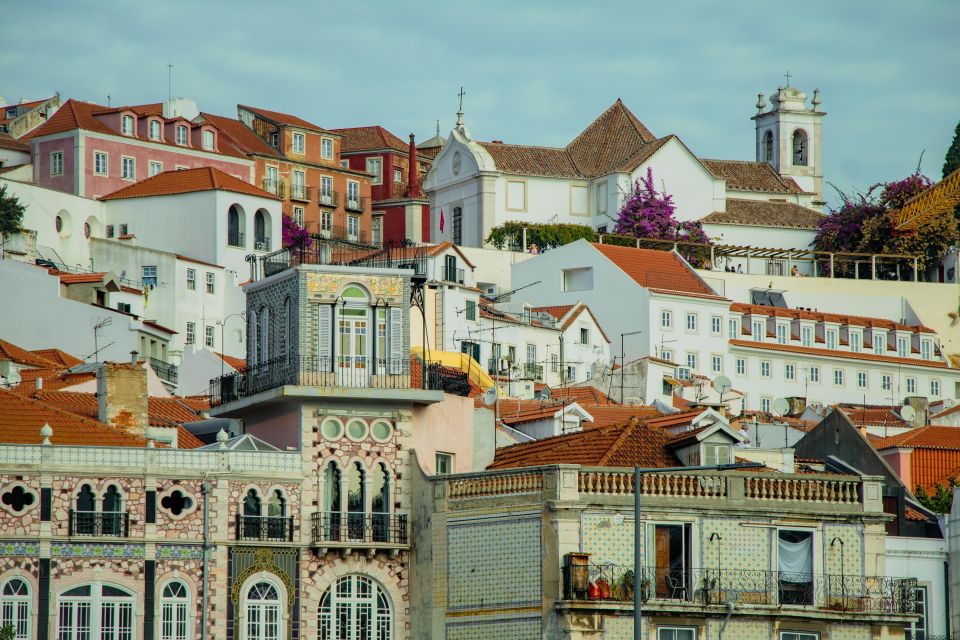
(325, 342)
(396, 340)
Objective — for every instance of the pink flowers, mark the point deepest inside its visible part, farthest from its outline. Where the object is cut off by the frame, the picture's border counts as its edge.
(294, 235)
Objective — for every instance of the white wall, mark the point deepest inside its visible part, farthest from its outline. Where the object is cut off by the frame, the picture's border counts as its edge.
(494, 266)
(199, 367)
(677, 172)
(680, 341)
(923, 559)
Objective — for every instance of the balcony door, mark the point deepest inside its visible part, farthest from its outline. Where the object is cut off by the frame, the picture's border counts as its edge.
(671, 560)
(353, 328)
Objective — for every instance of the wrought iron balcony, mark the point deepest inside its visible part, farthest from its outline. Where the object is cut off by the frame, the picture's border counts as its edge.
(452, 275)
(668, 585)
(330, 250)
(531, 371)
(358, 203)
(301, 192)
(265, 528)
(342, 529)
(276, 187)
(164, 370)
(328, 198)
(99, 523)
(235, 239)
(262, 243)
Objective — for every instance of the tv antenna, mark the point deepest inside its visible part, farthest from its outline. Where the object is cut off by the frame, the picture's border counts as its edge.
(96, 329)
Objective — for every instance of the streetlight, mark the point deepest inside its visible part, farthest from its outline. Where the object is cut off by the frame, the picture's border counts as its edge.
(622, 363)
(638, 538)
(223, 325)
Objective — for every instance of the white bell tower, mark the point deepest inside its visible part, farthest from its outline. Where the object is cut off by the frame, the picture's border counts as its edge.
(789, 138)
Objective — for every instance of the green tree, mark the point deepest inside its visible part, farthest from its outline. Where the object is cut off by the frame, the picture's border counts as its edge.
(952, 161)
(942, 498)
(8, 632)
(11, 213)
(545, 236)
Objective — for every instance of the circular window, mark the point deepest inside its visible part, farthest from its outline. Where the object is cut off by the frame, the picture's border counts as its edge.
(86, 229)
(357, 430)
(331, 429)
(381, 430)
(59, 223)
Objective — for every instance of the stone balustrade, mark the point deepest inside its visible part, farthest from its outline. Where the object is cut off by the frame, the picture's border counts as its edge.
(496, 484)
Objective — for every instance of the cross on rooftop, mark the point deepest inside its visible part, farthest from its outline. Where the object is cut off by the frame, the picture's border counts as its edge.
(787, 75)
(461, 94)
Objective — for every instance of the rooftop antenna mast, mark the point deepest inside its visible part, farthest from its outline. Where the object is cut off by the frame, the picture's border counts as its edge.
(169, 83)
(96, 329)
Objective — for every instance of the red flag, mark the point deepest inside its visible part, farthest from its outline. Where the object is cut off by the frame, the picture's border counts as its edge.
(441, 219)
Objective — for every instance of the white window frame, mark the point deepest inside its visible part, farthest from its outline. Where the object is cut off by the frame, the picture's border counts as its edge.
(691, 322)
(839, 378)
(903, 347)
(790, 371)
(208, 140)
(741, 366)
(766, 369)
(856, 341)
(712, 457)
(690, 633)
(326, 148)
(667, 355)
(56, 163)
(666, 319)
(765, 403)
(326, 185)
(935, 388)
(831, 337)
(879, 343)
(183, 135)
(716, 325)
(353, 226)
(174, 620)
(298, 142)
(911, 385)
(783, 333)
(799, 635)
(813, 375)
(211, 281)
(209, 337)
(758, 330)
(276, 607)
(863, 379)
(733, 328)
(298, 215)
(693, 360)
(191, 279)
(191, 333)
(926, 349)
(377, 604)
(96, 603)
(154, 125)
(16, 608)
(716, 363)
(353, 191)
(806, 336)
(97, 168)
(886, 382)
(154, 167)
(447, 459)
(377, 172)
(128, 125)
(130, 161)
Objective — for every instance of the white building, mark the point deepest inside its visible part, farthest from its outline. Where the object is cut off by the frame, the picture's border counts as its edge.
(480, 185)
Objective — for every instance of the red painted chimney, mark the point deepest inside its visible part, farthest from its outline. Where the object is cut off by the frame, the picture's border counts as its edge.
(413, 181)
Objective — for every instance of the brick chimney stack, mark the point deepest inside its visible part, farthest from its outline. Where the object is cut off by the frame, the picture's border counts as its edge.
(122, 396)
(413, 180)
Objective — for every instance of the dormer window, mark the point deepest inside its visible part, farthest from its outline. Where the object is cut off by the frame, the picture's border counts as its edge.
(715, 454)
(154, 129)
(758, 331)
(181, 134)
(781, 333)
(856, 341)
(926, 349)
(128, 125)
(208, 139)
(275, 139)
(879, 343)
(831, 338)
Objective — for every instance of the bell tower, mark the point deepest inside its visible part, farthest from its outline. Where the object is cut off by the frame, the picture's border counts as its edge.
(789, 137)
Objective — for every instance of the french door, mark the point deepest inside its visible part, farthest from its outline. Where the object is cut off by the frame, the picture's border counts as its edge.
(352, 358)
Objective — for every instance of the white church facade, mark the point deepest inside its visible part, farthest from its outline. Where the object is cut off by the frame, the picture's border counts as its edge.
(773, 201)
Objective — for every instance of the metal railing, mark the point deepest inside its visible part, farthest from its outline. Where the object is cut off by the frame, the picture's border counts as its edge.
(355, 204)
(452, 275)
(448, 380)
(99, 523)
(854, 593)
(301, 192)
(531, 371)
(275, 187)
(268, 528)
(165, 370)
(328, 198)
(328, 251)
(262, 243)
(235, 239)
(338, 527)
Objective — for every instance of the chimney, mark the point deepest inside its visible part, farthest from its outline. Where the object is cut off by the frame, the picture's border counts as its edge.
(798, 405)
(921, 405)
(122, 396)
(413, 181)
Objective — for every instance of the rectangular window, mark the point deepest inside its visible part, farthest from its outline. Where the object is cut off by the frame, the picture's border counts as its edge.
(790, 372)
(109, 233)
(208, 336)
(128, 168)
(472, 311)
(444, 463)
(911, 385)
(299, 188)
(716, 363)
(326, 220)
(345, 164)
(208, 140)
(838, 377)
(584, 335)
(862, 379)
(800, 635)
(886, 382)
(101, 164)
(154, 129)
(210, 282)
(814, 374)
(765, 404)
(806, 336)
(879, 343)
(124, 230)
(831, 337)
(579, 279)
(554, 362)
(666, 319)
(326, 149)
(856, 341)
(353, 227)
(741, 366)
(531, 354)
(926, 349)
(935, 388)
(56, 163)
(691, 322)
(148, 276)
(716, 325)
(667, 355)
(714, 454)
(918, 630)
(458, 225)
(795, 564)
(274, 139)
(676, 633)
(191, 332)
(781, 333)
(764, 368)
(353, 192)
(375, 169)
(181, 134)
(191, 279)
(155, 167)
(758, 331)
(326, 186)
(298, 142)
(692, 361)
(124, 307)
(733, 328)
(298, 216)
(127, 126)
(397, 175)
(903, 347)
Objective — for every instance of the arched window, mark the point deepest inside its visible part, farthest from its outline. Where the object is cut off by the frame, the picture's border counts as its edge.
(175, 611)
(95, 611)
(800, 148)
(380, 503)
(356, 501)
(277, 516)
(234, 230)
(355, 607)
(15, 607)
(252, 339)
(128, 125)
(85, 515)
(260, 231)
(251, 515)
(768, 146)
(262, 612)
(287, 330)
(112, 511)
(154, 129)
(263, 334)
(333, 520)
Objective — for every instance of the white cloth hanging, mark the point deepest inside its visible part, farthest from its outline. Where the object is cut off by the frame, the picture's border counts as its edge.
(796, 557)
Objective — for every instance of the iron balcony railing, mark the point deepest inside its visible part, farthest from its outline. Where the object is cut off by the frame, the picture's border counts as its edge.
(452, 275)
(854, 593)
(531, 371)
(447, 380)
(275, 187)
(330, 251)
(262, 243)
(99, 523)
(235, 239)
(328, 198)
(301, 192)
(337, 527)
(165, 370)
(265, 528)
(358, 203)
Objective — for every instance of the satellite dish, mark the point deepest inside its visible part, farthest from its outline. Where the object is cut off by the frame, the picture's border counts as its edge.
(908, 413)
(722, 384)
(490, 396)
(781, 406)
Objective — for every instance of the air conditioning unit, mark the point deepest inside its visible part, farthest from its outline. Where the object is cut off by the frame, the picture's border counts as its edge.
(684, 373)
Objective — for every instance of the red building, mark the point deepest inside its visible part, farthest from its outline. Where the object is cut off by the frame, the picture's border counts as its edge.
(400, 208)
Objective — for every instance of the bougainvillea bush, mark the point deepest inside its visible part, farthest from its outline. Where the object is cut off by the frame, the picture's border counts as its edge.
(294, 235)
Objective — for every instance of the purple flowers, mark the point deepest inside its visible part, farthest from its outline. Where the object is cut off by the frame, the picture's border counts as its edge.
(294, 235)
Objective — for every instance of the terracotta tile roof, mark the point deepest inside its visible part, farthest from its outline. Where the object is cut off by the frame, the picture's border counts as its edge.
(821, 316)
(605, 415)
(676, 419)
(831, 353)
(238, 364)
(10, 351)
(371, 138)
(198, 404)
(586, 394)
(81, 278)
(53, 378)
(936, 454)
(763, 213)
(162, 412)
(9, 142)
(609, 141)
(278, 117)
(929, 437)
(58, 357)
(745, 175)
(656, 269)
(912, 514)
(626, 445)
(187, 181)
(242, 136)
(946, 412)
(532, 160)
(515, 411)
(867, 415)
(557, 311)
(21, 419)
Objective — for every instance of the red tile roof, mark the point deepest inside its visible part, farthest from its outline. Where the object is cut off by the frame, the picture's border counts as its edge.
(831, 353)
(929, 437)
(822, 316)
(242, 136)
(187, 181)
(238, 364)
(580, 395)
(866, 415)
(373, 138)
(10, 351)
(53, 378)
(283, 118)
(609, 141)
(745, 175)
(557, 311)
(762, 213)
(9, 142)
(657, 269)
(81, 278)
(532, 160)
(912, 514)
(59, 357)
(21, 419)
(605, 415)
(936, 454)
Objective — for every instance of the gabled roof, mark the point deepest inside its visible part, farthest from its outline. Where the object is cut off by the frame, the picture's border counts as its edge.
(764, 213)
(187, 181)
(745, 175)
(588, 394)
(238, 364)
(532, 160)
(607, 142)
(605, 415)
(9, 142)
(625, 445)
(653, 269)
(54, 377)
(929, 437)
(19, 355)
(371, 138)
(21, 419)
(58, 357)
(867, 415)
(513, 412)
(242, 136)
(280, 118)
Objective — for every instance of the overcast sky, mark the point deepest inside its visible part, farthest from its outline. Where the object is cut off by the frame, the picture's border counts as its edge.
(533, 72)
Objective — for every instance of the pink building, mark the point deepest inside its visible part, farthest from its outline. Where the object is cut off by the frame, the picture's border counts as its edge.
(91, 150)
